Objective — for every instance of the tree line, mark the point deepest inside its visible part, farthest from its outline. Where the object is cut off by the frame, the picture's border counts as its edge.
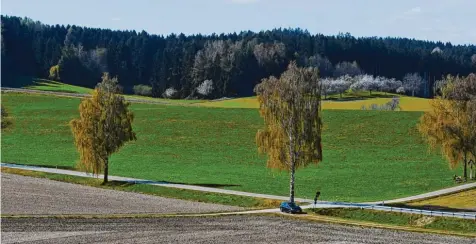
(181, 66)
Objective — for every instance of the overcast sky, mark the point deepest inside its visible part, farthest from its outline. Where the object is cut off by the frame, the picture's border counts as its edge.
(436, 20)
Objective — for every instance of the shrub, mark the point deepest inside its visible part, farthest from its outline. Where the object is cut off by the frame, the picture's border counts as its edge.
(393, 105)
(6, 122)
(401, 90)
(143, 90)
(169, 93)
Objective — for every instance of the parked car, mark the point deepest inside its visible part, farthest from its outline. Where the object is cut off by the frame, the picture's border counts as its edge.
(290, 207)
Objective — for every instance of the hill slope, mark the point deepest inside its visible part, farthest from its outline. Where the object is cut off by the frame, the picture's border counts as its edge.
(368, 155)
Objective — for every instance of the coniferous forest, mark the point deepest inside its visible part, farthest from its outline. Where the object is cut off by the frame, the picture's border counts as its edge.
(232, 64)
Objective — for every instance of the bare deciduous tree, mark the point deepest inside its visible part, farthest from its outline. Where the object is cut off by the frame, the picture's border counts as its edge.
(340, 85)
(266, 53)
(347, 68)
(205, 88)
(322, 63)
(412, 82)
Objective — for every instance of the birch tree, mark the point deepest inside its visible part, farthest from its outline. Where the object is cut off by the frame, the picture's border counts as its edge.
(291, 108)
(104, 126)
(451, 124)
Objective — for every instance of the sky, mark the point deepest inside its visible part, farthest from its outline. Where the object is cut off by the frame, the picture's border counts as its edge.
(436, 20)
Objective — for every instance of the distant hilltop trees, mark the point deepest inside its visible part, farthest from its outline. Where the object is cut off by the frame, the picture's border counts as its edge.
(230, 65)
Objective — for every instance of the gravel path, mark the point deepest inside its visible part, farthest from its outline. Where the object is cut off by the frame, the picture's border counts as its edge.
(28, 195)
(228, 229)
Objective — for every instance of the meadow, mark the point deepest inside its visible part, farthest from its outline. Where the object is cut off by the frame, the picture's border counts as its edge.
(349, 101)
(352, 103)
(368, 155)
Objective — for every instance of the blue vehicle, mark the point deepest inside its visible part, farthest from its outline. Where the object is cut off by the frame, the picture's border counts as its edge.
(290, 207)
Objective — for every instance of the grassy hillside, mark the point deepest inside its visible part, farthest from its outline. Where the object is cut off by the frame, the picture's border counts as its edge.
(48, 85)
(350, 101)
(368, 155)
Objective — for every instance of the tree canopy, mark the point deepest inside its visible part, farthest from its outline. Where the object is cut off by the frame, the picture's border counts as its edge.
(104, 126)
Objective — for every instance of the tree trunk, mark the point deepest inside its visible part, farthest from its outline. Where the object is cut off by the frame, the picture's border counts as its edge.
(471, 169)
(471, 172)
(291, 182)
(465, 169)
(293, 167)
(106, 171)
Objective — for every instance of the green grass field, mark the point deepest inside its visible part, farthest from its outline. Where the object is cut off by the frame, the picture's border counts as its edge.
(54, 86)
(349, 101)
(354, 103)
(368, 155)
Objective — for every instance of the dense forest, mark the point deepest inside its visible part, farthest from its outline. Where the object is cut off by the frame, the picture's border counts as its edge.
(230, 65)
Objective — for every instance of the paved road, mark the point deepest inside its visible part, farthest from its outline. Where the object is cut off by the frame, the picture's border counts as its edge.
(432, 194)
(225, 229)
(28, 195)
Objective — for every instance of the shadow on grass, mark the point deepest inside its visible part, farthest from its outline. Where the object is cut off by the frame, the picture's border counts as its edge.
(358, 98)
(55, 90)
(48, 166)
(132, 182)
(430, 208)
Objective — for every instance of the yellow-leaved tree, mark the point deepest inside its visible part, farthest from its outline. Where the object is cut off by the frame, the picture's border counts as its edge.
(291, 109)
(451, 124)
(54, 73)
(105, 124)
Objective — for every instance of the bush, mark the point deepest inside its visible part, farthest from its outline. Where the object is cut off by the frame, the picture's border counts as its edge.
(169, 93)
(389, 106)
(54, 73)
(401, 90)
(143, 90)
(6, 122)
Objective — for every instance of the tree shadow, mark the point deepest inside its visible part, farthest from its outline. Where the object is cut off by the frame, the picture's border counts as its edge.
(213, 185)
(430, 208)
(359, 98)
(48, 166)
(133, 182)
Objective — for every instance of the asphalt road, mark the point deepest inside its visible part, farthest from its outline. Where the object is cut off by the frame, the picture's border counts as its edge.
(225, 229)
(28, 195)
